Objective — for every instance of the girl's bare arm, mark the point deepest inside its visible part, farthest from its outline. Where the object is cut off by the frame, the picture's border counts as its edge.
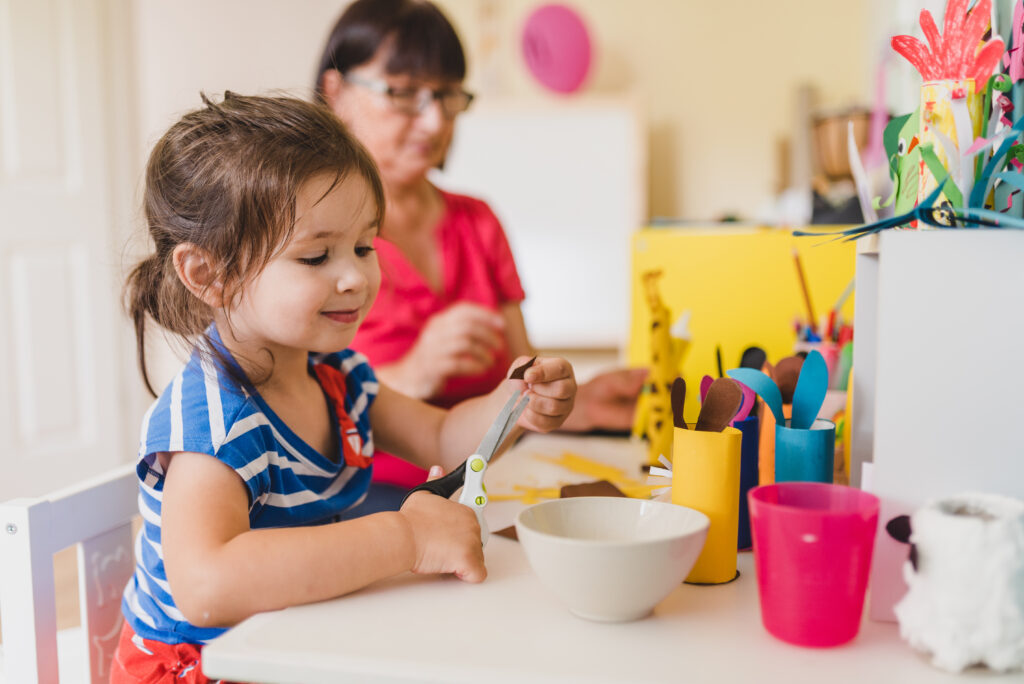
(221, 571)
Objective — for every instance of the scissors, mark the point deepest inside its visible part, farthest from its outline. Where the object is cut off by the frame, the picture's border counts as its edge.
(470, 475)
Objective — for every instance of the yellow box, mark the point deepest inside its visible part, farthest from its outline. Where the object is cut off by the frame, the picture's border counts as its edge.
(741, 288)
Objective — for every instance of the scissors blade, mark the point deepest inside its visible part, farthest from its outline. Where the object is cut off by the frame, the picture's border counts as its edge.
(499, 428)
(511, 422)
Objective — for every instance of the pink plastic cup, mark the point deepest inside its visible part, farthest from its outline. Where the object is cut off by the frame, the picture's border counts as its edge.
(812, 549)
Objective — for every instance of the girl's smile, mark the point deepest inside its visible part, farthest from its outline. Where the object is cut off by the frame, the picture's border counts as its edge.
(349, 316)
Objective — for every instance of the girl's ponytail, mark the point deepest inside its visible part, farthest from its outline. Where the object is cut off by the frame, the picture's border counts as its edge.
(142, 298)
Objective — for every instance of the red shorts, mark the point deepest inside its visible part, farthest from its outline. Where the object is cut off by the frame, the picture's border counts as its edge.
(143, 661)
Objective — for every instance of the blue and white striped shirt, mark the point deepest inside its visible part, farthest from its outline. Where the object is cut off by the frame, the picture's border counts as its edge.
(206, 410)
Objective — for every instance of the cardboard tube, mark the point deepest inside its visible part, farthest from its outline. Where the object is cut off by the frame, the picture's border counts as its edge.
(766, 448)
(937, 115)
(805, 455)
(706, 477)
(749, 428)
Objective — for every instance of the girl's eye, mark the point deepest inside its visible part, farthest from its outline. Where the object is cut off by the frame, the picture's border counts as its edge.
(363, 250)
(314, 261)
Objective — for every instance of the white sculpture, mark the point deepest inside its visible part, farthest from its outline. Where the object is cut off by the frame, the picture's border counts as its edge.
(965, 603)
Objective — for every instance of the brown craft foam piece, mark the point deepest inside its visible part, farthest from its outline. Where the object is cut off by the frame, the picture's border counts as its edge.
(599, 488)
(787, 372)
(678, 399)
(720, 405)
(519, 371)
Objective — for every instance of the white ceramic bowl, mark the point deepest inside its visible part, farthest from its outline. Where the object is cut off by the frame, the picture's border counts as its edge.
(611, 559)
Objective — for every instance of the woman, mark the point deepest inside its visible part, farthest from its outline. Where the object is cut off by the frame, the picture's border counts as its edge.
(447, 321)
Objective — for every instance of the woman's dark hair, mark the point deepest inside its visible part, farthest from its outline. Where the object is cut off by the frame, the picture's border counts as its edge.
(422, 41)
(225, 179)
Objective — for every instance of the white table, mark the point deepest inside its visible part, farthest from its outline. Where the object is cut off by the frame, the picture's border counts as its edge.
(510, 629)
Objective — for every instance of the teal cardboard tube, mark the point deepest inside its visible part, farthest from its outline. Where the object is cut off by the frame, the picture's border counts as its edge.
(805, 455)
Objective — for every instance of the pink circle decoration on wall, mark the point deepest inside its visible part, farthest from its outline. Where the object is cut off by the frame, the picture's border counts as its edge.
(556, 47)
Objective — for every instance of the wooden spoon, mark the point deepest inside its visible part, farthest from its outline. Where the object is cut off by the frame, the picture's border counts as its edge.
(678, 398)
(723, 400)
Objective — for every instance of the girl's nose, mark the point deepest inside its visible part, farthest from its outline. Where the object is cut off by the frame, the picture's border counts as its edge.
(351, 279)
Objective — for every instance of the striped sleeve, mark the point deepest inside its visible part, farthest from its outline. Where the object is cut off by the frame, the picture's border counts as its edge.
(204, 412)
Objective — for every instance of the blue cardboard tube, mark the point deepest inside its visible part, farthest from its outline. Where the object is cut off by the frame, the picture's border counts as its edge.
(805, 455)
(749, 475)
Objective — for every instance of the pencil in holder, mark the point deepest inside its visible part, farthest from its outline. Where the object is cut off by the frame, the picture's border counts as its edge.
(749, 474)
(706, 477)
(805, 455)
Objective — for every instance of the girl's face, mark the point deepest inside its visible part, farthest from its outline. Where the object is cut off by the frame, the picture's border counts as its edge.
(405, 146)
(316, 291)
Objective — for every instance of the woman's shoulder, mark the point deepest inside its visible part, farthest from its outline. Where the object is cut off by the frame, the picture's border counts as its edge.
(460, 206)
(470, 220)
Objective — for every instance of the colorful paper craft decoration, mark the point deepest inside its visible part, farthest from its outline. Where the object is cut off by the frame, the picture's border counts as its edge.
(946, 156)
(668, 346)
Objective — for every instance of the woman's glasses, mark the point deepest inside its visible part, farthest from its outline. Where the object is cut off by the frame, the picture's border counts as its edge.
(412, 101)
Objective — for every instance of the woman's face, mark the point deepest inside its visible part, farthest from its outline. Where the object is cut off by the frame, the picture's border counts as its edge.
(404, 145)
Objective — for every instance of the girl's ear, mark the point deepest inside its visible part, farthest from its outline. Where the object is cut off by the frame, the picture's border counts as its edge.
(197, 272)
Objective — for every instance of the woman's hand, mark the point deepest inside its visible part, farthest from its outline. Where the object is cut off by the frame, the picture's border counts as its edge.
(446, 535)
(608, 401)
(461, 340)
(552, 389)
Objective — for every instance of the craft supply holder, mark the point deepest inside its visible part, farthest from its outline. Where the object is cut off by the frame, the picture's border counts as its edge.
(805, 455)
(706, 477)
(749, 474)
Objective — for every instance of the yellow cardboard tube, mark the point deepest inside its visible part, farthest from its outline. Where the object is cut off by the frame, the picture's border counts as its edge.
(706, 477)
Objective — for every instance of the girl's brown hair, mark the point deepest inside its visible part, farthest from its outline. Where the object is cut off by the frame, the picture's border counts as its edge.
(225, 178)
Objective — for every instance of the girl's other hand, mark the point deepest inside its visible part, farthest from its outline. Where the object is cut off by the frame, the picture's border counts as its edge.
(446, 536)
(551, 385)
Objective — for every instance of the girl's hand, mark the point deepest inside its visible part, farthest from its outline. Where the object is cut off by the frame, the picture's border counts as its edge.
(446, 536)
(552, 388)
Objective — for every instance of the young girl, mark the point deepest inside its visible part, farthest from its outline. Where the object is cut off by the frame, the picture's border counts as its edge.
(263, 212)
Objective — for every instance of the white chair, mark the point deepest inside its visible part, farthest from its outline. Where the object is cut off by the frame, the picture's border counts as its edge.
(97, 515)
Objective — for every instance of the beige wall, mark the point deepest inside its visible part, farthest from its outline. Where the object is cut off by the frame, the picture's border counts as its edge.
(716, 76)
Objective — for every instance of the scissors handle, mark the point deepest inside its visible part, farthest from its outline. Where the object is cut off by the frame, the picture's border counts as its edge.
(471, 479)
(474, 494)
(443, 486)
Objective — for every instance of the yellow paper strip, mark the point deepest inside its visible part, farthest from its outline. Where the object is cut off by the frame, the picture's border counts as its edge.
(585, 466)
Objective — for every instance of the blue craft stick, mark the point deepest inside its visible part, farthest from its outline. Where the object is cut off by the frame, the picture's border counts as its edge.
(765, 388)
(810, 390)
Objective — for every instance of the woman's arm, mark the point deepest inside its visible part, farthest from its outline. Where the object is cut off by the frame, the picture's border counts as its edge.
(221, 571)
(515, 330)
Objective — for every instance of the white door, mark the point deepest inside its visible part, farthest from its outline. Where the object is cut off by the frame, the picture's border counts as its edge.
(62, 401)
